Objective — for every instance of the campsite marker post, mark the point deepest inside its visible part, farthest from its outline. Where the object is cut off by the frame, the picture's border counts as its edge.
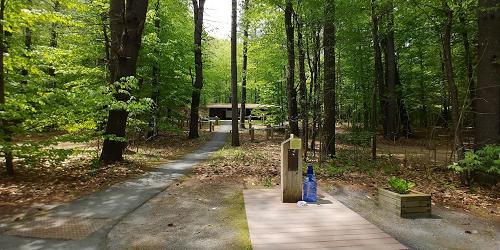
(291, 170)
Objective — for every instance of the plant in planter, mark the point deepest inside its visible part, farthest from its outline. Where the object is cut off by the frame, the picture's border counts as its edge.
(399, 185)
(402, 200)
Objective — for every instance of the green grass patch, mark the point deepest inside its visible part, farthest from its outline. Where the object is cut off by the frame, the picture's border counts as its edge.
(235, 211)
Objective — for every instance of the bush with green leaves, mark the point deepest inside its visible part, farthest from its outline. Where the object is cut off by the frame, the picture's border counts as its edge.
(360, 138)
(399, 185)
(485, 160)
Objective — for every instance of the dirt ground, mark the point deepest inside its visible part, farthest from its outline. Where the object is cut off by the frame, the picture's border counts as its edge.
(37, 189)
(194, 213)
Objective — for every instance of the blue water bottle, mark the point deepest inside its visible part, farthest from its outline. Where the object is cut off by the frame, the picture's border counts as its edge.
(310, 185)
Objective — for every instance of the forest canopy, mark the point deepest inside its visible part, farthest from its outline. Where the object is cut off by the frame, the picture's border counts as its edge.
(81, 70)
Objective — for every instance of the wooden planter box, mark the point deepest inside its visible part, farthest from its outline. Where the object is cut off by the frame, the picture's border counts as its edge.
(412, 205)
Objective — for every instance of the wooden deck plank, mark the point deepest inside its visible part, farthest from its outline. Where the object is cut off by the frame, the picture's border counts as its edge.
(328, 225)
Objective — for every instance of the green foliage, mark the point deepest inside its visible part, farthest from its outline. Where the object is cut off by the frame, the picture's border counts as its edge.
(485, 160)
(267, 182)
(360, 138)
(60, 84)
(399, 185)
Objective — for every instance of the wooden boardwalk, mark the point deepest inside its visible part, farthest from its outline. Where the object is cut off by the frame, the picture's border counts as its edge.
(327, 225)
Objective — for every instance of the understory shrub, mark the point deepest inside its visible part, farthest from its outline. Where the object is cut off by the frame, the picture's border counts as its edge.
(483, 161)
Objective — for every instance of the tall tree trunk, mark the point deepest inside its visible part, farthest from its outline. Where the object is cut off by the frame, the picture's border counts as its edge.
(390, 60)
(198, 7)
(27, 46)
(105, 36)
(235, 137)
(452, 87)
(245, 64)
(302, 85)
(422, 93)
(379, 75)
(316, 90)
(9, 159)
(155, 71)
(329, 75)
(290, 74)
(53, 38)
(487, 103)
(468, 62)
(403, 119)
(127, 23)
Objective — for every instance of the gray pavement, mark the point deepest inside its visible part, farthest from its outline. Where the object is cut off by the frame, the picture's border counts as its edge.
(108, 206)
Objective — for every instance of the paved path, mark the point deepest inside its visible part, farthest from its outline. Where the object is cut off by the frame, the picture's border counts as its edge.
(85, 223)
(328, 225)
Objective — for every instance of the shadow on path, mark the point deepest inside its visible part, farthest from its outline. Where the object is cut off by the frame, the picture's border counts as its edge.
(109, 206)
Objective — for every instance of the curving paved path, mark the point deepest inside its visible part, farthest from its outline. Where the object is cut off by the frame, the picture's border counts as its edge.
(85, 222)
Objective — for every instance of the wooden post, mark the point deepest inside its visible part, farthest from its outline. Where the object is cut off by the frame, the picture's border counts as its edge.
(268, 132)
(200, 123)
(217, 120)
(252, 134)
(210, 126)
(291, 170)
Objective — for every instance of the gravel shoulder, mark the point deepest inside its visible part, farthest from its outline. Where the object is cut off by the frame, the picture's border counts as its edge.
(448, 229)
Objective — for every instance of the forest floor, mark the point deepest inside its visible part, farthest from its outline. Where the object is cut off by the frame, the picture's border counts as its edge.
(463, 217)
(258, 163)
(37, 189)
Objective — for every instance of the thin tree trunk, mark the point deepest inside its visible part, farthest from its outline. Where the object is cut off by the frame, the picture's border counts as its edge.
(423, 100)
(329, 75)
(290, 76)
(379, 75)
(245, 65)
(155, 95)
(235, 137)
(105, 24)
(27, 46)
(302, 85)
(53, 38)
(457, 128)
(468, 63)
(198, 7)
(317, 89)
(127, 23)
(9, 159)
(487, 102)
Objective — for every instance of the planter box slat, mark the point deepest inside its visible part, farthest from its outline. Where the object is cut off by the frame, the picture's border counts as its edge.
(412, 205)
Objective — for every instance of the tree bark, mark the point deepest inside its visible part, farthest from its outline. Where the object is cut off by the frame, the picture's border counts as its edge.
(53, 38)
(155, 71)
(290, 76)
(315, 97)
(390, 60)
(329, 75)
(302, 86)
(198, 7)
(27, 46)
(127, 23)
(235, 137)
(245, 65)
(9, 159)
(452, 87)
(379, 75)
(487, 102)
(468, 62)
(104, 28)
